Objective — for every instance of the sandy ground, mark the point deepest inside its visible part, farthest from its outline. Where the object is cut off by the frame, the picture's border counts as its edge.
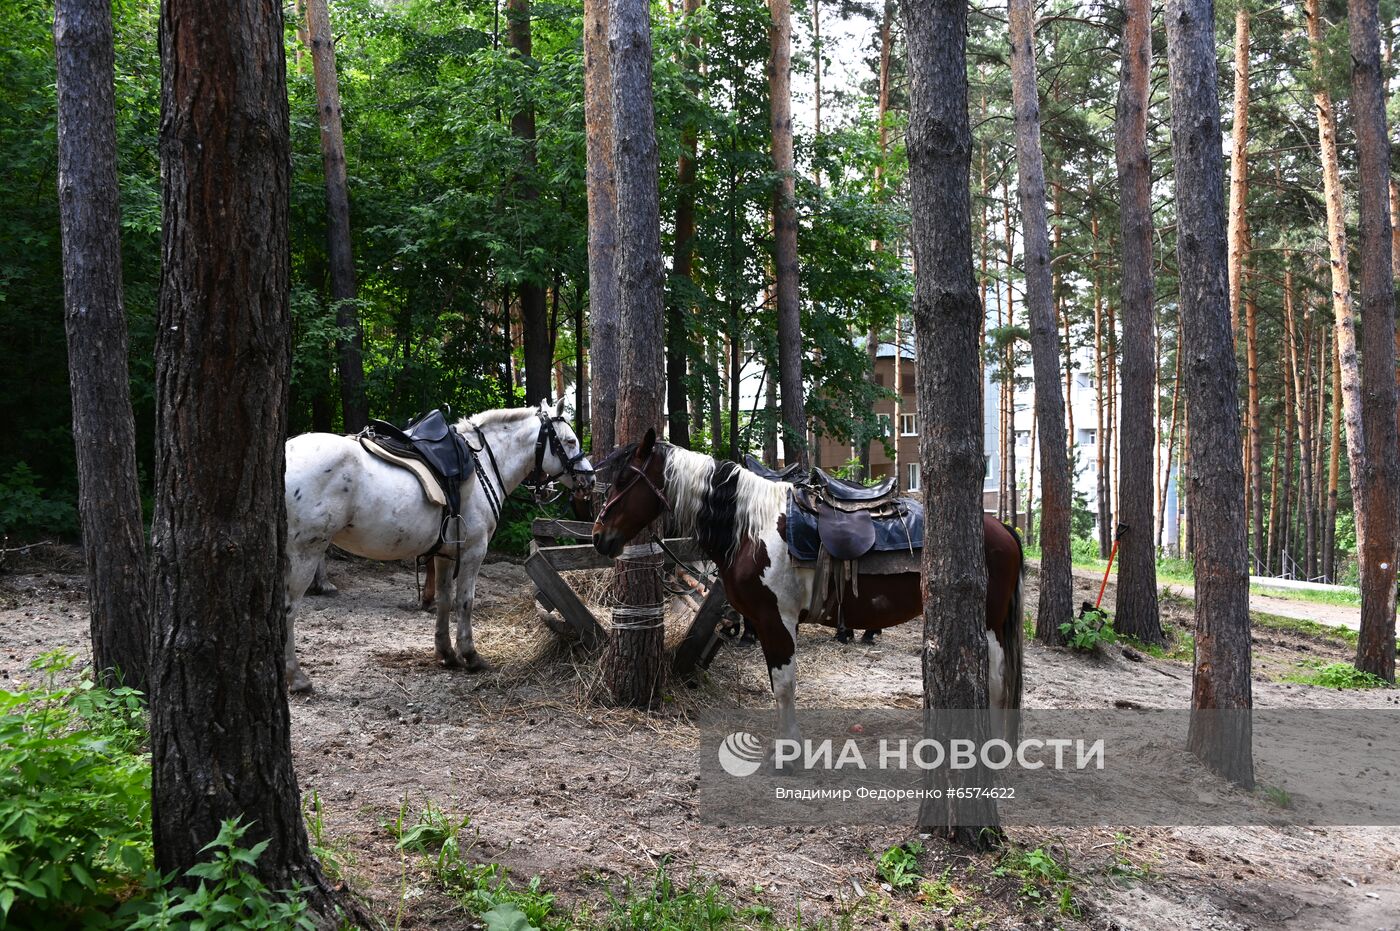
(586, 797)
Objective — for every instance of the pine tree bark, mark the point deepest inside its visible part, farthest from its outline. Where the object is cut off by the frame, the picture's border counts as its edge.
(788, 296)
(342, 259)
(1334, 464)
(104, 431)
(1220, 731)
(632, 663)
(947, 323)
(1342, 308)
(603, 307)
(1136, 611)
(1056, 580)
(1303, 421)
(1239, 165)
(1379, 501)
(220, 729)
(534, 315)
(682, 265)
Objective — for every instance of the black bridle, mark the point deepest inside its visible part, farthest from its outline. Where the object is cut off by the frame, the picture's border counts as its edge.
(548, 438)
(621, 490)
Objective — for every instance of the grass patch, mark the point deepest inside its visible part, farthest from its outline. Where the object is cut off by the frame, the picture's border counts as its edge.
(1344, 599)
(1277, 796)
(489, 892)
(1334, 676)
(1180, 646)
(1344, 636)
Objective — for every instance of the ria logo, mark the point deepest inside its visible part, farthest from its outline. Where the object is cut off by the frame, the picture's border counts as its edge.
(741, 754)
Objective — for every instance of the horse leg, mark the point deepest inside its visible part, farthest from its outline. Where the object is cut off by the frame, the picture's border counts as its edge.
(321, 583)
(429, 586)
(466, 596)
(301, 569)
(779, 641)
(442, 636)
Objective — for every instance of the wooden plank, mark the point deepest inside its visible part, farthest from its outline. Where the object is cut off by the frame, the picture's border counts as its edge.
(584, 556)
(702, 640)
(558, 593)
(552, 527)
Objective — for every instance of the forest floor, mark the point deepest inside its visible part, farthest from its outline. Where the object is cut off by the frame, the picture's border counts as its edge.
(590, 798)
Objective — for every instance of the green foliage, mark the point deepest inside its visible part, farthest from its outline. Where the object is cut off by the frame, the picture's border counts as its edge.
(28, 511)
(1277, 796)
(1084, 550)
(229, 894)
(1088, 630)
(899, 866)
(1044, 879)
(1335, 676)
(663, 904)
(940, 893)
(75, 787)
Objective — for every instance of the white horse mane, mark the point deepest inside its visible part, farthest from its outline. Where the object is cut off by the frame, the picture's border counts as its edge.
(500, 415)
(757, 501)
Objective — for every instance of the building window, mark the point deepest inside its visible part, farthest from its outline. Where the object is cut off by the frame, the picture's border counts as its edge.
(912, 471)
(908, 424)
(1023, 437)
(1088, 437)
(886, 428)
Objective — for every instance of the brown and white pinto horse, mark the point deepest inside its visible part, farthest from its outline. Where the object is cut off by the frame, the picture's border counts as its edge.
(740, 521)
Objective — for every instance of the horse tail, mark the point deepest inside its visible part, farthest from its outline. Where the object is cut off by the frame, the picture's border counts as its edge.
(1014, 645)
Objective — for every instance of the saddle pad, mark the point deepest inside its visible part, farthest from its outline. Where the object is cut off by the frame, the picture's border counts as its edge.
(892, 534)
(431, 489)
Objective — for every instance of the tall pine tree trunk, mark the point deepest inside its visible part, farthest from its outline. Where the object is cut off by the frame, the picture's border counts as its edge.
(682, 266)
(632, 662)
(1056, 581)
(534, 316)
(1220, 733)
(1379, 500)
(1342, 307)
(104, 432)
(785, 234)
(1136, 611)
(947, 321)
(603, 305)
(220, 729)
(342, 260)
(1239, 165)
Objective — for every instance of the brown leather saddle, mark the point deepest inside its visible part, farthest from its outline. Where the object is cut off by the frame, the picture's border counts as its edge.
(846, 513)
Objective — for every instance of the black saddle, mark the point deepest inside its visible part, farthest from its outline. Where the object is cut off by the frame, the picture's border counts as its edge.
(838, 489)
(792, 473)
(435, 442)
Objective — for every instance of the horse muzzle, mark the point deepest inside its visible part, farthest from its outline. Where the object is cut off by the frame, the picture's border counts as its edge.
(610, 543)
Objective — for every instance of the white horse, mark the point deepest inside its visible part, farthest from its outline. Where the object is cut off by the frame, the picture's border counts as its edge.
(339, 493)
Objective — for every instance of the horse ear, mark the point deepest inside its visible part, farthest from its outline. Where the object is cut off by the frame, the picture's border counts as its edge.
(559, 408)
(648, 443)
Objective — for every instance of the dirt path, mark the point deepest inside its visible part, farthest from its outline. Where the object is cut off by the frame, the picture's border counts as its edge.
(588, 797)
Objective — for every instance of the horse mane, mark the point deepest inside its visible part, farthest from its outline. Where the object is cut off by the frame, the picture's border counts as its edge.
(722, 504)
(499, 415)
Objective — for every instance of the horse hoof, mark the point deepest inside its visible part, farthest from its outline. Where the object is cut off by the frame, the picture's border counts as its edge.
(427, 606)
(452, 660)
(473, 662)
(300, 683)
(325, 591)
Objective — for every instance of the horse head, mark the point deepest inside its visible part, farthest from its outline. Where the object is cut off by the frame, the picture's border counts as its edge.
(637, 496)
(558, 452)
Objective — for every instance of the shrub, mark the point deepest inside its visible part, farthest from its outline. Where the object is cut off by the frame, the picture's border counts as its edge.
(1337, 676)
(899, 866)
(26, 510)
(75, 790)
(1088, 629)
(229, 894)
